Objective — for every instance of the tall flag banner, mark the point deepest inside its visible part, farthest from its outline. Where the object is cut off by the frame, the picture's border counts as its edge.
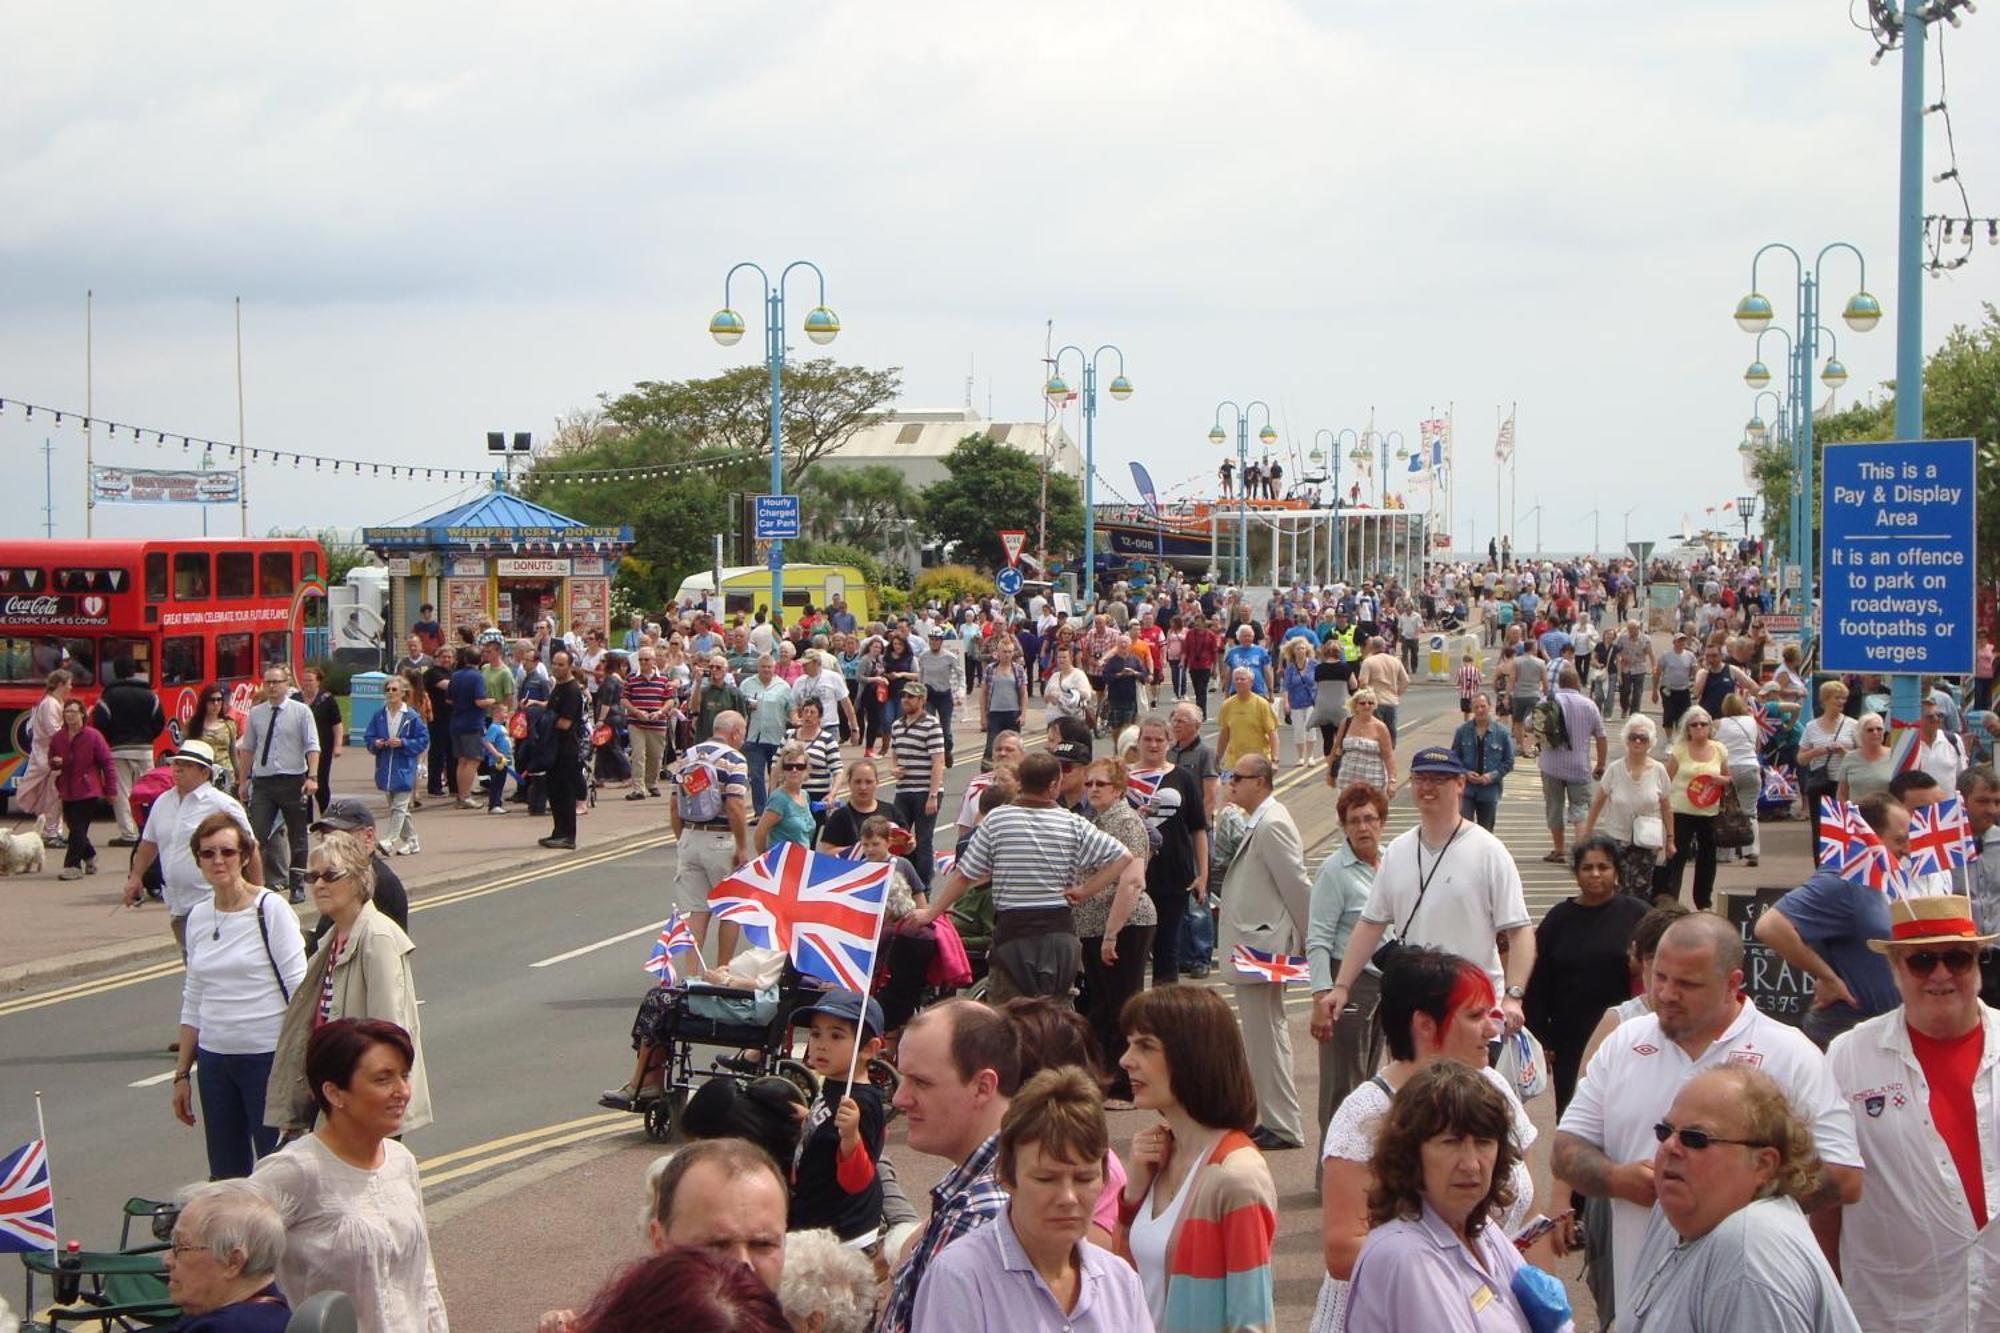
(675, 938)
(1940, 837)
(1503, 447)
(1279, 968)
(1144, 481)
(27, 1201)
(824, 911)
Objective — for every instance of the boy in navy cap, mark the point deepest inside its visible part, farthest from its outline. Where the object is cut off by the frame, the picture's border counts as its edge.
(834, 1181)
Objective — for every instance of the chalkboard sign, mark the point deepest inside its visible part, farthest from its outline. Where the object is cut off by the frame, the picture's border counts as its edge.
(1773, 985)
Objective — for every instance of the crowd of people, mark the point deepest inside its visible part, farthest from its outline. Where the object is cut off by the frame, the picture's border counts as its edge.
(1112, 870)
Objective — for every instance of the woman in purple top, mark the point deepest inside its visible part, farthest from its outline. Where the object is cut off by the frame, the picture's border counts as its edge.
(1032, 1269)
(85, 780)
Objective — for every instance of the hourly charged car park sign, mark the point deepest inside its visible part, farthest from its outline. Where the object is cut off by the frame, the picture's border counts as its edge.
(1897, 525)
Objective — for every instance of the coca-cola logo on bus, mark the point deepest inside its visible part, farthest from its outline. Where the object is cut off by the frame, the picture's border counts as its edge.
(49, 609)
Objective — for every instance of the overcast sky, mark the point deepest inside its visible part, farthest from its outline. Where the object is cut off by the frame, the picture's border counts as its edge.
(445, 219)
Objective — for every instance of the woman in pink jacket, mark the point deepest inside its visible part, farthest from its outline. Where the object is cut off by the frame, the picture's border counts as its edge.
(85, 779)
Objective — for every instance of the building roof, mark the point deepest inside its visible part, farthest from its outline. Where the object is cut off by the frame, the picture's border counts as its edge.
(494, 521)
(913, 435)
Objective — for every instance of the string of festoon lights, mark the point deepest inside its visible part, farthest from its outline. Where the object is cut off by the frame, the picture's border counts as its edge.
(163, 439)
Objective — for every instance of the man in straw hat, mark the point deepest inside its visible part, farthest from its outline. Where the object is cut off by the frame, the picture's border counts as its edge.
(1923, 1081)
(169, 828)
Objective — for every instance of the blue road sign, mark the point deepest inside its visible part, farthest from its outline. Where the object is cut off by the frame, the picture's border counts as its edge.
(1897, 525)
(777, 517)
(1008, 581)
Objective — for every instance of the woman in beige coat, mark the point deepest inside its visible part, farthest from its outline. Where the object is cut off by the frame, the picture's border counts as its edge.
(362, 971)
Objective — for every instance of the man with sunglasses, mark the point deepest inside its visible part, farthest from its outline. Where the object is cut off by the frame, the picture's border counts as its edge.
(1828, 928)
(1701, 1020)
(1923, 1082)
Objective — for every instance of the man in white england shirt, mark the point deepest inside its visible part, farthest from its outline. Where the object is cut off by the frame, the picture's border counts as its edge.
(1918, 1251)
(1701, 1019)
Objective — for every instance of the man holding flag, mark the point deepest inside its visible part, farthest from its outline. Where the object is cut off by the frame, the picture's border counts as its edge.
(1827, 925)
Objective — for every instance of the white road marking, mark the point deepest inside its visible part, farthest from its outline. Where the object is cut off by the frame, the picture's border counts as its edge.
(601, 944)
(154, 1081)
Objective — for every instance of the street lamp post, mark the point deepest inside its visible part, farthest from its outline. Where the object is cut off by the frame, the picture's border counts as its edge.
(1754, 314)
(1057, 391)
(1267, 437)
(1335, 545)
(1402, 451)
(727, 327)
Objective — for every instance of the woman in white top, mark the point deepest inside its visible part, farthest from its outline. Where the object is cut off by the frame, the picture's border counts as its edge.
(1824, 744)
(1737, 731)
(245, 958)
(1630, 791)
(349, 1193)
(1435, 1006)
(1067, 691)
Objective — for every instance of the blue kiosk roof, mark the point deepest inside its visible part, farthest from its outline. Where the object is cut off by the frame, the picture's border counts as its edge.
(498, 520)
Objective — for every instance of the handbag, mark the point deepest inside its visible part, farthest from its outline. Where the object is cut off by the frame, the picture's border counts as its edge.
(1649, 831)
(1339, 744)
(1733, 825)
(1524, 1064)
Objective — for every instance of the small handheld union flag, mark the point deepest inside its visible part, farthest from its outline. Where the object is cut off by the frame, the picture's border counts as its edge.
(675, 938)
(1279, 968)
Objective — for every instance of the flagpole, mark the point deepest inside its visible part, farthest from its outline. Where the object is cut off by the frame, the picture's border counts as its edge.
(861, 1018)
(42, 1129)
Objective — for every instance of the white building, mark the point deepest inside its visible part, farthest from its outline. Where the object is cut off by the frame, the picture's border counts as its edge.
(915, 441)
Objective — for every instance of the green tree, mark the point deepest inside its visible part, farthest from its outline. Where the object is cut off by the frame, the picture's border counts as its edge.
(825, 403)
(813, 551)
(868, 507)
(992, 486)
(1961, 400)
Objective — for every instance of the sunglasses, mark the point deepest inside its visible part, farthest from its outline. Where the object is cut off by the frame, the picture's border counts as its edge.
(793, 768)
(324, 876)
(219, 853)
(1098, 782)
(1699, 1140)
(1923, 962)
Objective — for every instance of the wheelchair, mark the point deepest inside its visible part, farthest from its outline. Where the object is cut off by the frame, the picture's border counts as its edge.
(752, 1050)
(125, 1288)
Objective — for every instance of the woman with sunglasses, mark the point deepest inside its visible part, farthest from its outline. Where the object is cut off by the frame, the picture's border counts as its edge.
(213, 724)
(787, 813)
(245, 960)
(1699, 770)
(363, 972)
(1114, 961)
(1872, 764)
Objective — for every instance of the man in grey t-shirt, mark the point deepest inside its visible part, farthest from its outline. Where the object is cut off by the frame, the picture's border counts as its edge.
(1673, 683)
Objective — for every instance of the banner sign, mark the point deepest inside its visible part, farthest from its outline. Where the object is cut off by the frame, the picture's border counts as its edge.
(530, 568)
(1144, 481)
(1896, 557)
(154, 486)
(53, 609)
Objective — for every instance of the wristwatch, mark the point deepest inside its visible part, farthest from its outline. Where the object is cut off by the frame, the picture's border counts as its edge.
(1515, 993)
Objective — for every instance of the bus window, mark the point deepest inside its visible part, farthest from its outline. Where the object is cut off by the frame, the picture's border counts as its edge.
(274, 574)
(28, 661)
(235, 574)
(309, 564)
(233, 659)
(113, 649)
(274, 648)
(156, 576)
(181, 661)
(190, 576)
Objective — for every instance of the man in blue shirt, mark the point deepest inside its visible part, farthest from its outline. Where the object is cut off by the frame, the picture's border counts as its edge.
(1823, 927)
(1253, 657)
(466, 693)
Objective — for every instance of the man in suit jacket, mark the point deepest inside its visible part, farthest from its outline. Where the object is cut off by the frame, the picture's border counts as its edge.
(1265, 902)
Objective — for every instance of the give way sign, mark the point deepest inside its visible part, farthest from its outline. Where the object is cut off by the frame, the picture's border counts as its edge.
(1011, 541)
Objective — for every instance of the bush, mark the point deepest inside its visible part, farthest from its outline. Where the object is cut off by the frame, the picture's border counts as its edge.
(947, 583)
(892, 601)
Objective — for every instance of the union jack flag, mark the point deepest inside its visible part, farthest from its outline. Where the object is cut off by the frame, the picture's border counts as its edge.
(1841, 831)
(1140, 786)
(824, 911)
(1281, 968)
(1767, 725)
(1940, 837)
(675, 938)
(1874, 866)
(27, 1203)
(945, 861)
(1780, 787)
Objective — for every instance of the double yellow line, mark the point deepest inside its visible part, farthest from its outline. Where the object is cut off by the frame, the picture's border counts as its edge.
(153, 972)
(480, 1157)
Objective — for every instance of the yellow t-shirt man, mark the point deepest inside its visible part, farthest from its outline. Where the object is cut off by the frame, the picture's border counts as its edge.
(1248, 726)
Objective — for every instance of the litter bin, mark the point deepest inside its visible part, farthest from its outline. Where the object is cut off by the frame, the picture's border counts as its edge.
(364, 699)
(1439, 659)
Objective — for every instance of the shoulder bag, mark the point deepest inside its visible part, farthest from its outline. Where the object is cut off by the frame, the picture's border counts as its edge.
(1733, 826)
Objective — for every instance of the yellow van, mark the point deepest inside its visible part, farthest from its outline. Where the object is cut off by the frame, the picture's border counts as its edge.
(747, 587)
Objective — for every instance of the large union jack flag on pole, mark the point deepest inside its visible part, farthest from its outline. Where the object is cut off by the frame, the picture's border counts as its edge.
(27, 1203)
(824, 911)
(1940, 837)
(1279, 968)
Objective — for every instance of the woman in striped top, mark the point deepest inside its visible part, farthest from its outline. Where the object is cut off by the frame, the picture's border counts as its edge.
(822, 747)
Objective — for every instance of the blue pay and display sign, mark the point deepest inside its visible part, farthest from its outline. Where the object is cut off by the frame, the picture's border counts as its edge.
(1008, 581)
(777, 517)
(1897, 525)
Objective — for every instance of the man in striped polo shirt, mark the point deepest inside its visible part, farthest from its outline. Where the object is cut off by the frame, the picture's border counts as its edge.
(1042, 859)
(916, 740)
(710, 817)
(649, 699)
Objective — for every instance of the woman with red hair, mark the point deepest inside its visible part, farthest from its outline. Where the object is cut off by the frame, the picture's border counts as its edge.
(689, 1290)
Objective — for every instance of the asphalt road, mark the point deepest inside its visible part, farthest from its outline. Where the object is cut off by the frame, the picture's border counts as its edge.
(528, 987)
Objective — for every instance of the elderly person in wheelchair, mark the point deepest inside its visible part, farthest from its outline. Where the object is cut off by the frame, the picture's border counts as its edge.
(222, 1266)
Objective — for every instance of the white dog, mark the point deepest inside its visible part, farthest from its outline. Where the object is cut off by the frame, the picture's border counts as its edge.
(20, 852)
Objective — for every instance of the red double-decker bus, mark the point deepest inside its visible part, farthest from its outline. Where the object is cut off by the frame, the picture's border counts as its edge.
(187, 612)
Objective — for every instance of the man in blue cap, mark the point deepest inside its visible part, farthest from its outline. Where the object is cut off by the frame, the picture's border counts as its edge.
(1448, 884)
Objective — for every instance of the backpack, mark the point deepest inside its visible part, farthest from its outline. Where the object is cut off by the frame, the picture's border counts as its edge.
(698, 788)
(1549, 723)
